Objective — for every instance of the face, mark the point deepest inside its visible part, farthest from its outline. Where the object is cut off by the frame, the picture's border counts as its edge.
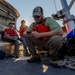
(11, 26)
(38, 18)
(22, 22)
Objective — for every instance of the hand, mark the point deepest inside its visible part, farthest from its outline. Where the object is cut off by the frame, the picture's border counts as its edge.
(35, 34)
(27, 34)
(7, 35)
(33, 23)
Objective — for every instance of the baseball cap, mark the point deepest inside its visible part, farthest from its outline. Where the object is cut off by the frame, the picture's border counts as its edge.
(37, 11)
(10, 24)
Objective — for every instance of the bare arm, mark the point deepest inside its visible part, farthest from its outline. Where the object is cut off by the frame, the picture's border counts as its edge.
(47, 34)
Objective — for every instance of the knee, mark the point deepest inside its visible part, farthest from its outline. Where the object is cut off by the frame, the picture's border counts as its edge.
(55, 41)
(16, 41)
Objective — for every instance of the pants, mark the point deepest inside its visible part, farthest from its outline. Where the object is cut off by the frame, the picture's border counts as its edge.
(15, 42)
(52, 45)
(24, 44)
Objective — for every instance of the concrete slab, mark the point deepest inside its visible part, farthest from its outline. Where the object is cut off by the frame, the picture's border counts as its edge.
(21, 67)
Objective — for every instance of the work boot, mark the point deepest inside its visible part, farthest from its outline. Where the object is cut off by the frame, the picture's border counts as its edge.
(34, 58)
(27, 54)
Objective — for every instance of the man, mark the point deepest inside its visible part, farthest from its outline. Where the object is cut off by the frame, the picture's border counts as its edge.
(44, 33)
(10, 35)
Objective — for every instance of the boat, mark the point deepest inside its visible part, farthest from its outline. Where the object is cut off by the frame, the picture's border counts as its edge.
(20, 66)
(66, 16)
(7, 14)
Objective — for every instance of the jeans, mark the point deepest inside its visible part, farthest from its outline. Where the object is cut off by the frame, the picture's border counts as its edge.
(24, 44)
(14, 40)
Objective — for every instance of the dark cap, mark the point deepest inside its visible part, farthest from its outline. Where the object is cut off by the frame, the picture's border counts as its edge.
(11, 23)
(37, 11)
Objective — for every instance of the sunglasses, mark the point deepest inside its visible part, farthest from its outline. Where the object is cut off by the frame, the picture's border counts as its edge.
(36, 16)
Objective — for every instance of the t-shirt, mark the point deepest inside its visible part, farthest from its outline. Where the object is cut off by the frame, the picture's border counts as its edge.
(50, 22)
(10, 32)
(22, 30)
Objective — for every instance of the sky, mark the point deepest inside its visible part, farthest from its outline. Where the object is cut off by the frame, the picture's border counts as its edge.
(25, 8)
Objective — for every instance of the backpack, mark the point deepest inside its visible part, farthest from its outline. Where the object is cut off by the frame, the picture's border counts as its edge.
(2, 54)
(67, 49)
